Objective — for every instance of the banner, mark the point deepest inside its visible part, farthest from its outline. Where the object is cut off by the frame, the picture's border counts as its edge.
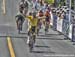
(51, 21)
(59, 24)
(70, 31)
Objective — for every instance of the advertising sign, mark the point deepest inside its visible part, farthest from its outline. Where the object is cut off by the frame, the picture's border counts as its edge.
(59, 24)
(70, 31)
(51, 21)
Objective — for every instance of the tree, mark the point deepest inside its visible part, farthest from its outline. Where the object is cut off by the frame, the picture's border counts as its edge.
(49, 1)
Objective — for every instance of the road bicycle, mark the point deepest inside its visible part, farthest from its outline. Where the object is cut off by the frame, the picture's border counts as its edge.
(32, 37)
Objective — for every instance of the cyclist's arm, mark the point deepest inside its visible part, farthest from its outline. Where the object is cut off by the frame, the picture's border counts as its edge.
(28, 18)
(42, 17)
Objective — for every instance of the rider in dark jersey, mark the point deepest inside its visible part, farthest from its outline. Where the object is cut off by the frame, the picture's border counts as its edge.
(19, 17)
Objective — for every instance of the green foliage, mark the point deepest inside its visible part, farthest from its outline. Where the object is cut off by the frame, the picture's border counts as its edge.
(49, 1)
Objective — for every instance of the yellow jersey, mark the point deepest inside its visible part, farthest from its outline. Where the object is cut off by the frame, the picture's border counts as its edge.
(33, 22)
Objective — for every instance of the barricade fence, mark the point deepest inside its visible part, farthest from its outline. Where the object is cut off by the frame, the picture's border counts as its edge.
(64, 26)
(73, 27)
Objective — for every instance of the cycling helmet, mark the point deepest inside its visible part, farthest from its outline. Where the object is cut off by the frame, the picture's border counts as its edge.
(30, 13)
(34, 14)
(40, 13)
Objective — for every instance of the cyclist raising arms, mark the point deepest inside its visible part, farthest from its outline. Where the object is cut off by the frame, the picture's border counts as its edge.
(32, 24)
(39, 15)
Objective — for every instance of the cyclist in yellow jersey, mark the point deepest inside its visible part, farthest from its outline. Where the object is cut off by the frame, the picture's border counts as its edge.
(33, 21)
(29, 18)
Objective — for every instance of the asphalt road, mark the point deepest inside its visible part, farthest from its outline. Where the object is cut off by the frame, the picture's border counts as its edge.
(51, 45)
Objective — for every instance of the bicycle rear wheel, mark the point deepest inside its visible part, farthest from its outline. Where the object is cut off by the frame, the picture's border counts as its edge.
(31, 42)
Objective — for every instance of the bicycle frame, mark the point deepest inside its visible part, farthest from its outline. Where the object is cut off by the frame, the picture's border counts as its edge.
(32, 40)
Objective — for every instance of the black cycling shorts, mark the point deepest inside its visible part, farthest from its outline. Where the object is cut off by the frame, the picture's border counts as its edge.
(33, 28)
(47, 18)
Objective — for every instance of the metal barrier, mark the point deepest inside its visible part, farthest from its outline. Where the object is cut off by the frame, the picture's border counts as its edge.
(54, 22)
(73, 26)
(73, 33)
(65, 26)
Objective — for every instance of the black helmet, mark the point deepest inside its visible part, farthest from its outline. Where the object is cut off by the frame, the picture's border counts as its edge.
(30, 13)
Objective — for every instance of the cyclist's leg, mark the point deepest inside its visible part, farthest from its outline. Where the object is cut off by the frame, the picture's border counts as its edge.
(22, 21)
(38, 26)
(37, 30)
(34, 33)
(17, 23)
(44, 22)
(47, 24)
(20, 25)
(29, 29)
(17, 19)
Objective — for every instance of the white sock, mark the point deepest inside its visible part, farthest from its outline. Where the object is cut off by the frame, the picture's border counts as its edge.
(28, 40)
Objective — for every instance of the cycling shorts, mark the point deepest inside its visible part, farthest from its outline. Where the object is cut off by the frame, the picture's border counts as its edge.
(33, 29)
(47, 18)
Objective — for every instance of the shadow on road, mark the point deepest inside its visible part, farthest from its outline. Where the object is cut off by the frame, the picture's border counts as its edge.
(42, 46)
(51, 38)
(49, 35)
(22, 33)
(43, 52)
